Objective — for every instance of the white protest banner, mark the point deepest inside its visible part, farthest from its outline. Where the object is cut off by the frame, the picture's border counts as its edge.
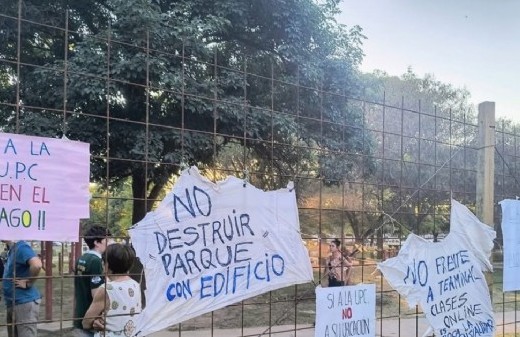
(208, 245)
(511, 237)
(446, 278)
(346, 311)
(44, 187)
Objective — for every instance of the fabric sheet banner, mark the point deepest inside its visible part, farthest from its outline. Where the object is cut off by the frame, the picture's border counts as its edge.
(346, 311)
(511, 235)
(446, 278)
(44, 187)
(208, 245)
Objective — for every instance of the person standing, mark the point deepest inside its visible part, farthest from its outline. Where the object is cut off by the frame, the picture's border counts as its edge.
(88, 276)
(136, 272)
(338, 268)
(114, 310)
(22, 298)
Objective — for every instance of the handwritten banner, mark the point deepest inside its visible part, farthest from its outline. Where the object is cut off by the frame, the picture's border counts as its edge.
(446, 278)
(511, 236)
(44, 187)
(346, 311)
(209, 245)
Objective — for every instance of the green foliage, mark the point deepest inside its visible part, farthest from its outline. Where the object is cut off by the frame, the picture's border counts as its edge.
(432, 94)
(148, 83)
(420, 157)
(113, 207)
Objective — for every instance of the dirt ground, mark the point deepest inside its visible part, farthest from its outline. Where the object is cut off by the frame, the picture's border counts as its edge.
(291, 306)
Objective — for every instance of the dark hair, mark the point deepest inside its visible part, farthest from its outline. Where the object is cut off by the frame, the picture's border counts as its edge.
(95, 233)
(119, 258)
(337, 242)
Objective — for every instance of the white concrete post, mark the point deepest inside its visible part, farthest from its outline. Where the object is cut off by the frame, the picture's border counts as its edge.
(486, 170)
(486, 162)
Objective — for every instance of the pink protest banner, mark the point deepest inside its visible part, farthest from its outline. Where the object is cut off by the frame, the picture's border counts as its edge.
(44, 187)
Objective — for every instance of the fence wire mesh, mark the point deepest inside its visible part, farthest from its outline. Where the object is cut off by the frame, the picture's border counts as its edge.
(366, 171)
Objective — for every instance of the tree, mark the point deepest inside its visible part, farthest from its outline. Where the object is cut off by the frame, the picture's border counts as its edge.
(113, 207)
(153, 84)
(426, 114)
(40, 42)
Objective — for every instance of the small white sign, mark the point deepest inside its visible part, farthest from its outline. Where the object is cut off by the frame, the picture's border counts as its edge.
(346, 311)
(511, 235)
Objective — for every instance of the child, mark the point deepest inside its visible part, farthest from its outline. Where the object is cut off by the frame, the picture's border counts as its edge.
(118, 301)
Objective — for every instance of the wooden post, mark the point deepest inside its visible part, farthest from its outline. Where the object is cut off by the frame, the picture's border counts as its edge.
(76, 251)
(48, 280)
(486, 162)
(486, 169)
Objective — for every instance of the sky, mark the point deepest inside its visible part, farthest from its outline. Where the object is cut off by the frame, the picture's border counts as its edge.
(468, 43)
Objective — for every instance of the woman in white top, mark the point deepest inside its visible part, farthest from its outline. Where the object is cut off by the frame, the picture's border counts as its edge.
(117, 302)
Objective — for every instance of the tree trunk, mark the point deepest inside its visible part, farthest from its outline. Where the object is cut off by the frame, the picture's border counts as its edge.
(139, 195)
(154, 193)
(138, 213)
(380, 245)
